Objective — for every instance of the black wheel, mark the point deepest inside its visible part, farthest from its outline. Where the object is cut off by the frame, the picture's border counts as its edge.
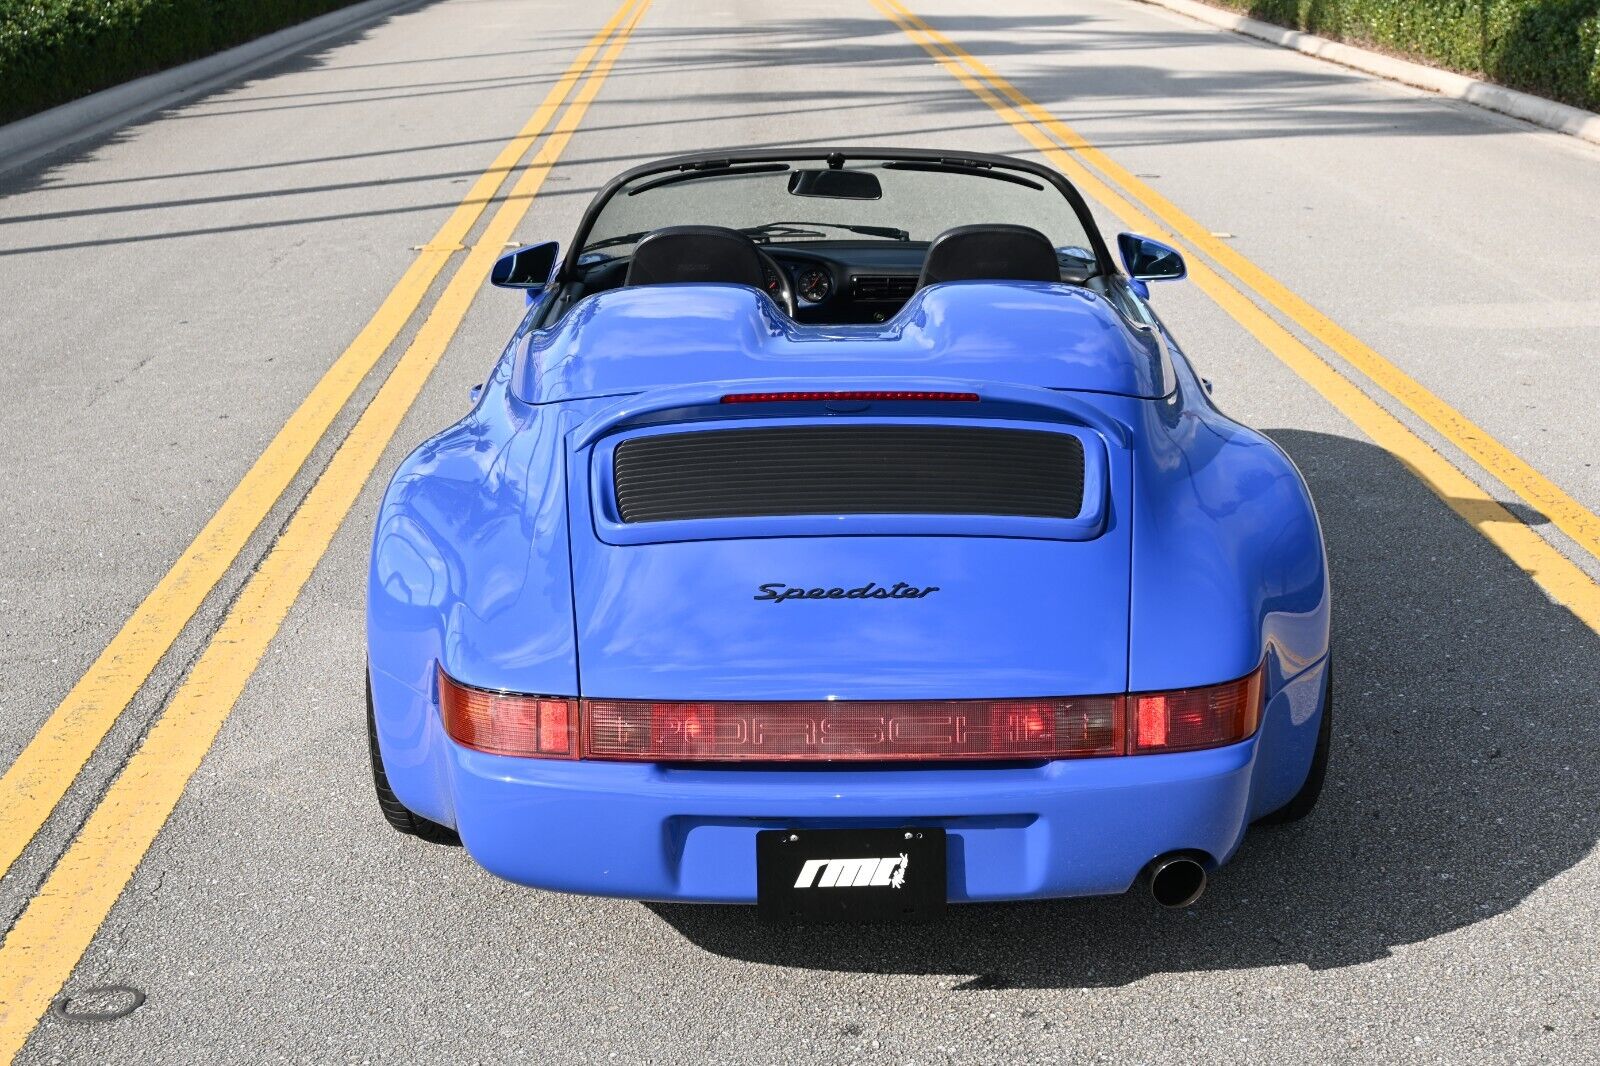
(395, 812)
(1305, 800)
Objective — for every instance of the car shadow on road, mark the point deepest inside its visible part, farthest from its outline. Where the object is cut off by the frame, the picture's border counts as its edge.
(1465, 734)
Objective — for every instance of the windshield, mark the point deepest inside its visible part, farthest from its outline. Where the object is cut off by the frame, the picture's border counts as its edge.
(783, 202)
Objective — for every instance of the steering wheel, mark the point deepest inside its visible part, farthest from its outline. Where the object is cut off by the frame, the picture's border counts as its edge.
(785, 294)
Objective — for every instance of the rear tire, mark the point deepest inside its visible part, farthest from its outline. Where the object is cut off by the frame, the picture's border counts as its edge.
(1305, 800)
(395, 812)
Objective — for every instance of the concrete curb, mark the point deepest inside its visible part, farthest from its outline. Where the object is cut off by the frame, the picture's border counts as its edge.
(27, 139)
(1572, 121)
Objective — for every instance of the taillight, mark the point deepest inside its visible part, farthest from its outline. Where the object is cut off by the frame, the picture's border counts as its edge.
(1147, 723)
(1190, 718)
(858, 396)
(504, 723)
(852, 731)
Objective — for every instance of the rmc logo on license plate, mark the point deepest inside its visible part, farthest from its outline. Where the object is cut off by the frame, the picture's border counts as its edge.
(887, 872)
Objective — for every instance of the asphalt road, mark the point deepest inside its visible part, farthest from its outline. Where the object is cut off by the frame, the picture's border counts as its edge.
(169, 295)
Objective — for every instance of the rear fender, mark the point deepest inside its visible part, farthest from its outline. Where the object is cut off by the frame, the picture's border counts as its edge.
(469, 570)
(1228, 559)
(1229, 571)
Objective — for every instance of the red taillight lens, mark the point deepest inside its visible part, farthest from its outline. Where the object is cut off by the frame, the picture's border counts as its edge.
(859, 396)
(860, 732)
(1192, 718)
(825, 730)
(508, 724)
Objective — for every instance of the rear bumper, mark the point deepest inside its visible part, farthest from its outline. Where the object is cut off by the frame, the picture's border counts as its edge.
(644, 831)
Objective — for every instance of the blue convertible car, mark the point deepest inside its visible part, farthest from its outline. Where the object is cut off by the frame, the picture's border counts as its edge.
(842, 532)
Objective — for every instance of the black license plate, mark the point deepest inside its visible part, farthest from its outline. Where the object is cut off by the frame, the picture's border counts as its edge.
(850, 875)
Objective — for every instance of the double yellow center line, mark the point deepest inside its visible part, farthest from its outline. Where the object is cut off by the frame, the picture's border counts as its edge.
(56, 927)
(33, 784)
(1141, 208)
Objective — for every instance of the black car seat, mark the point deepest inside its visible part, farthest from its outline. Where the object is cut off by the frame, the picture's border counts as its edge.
(696, 253)
(990, 252)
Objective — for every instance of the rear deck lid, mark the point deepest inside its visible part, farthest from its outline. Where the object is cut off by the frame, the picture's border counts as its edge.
(890, 554)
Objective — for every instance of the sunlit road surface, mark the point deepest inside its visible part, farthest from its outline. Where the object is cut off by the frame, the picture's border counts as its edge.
(227, 322)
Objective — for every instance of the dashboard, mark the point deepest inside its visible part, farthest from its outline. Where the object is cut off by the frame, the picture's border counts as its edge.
(849, 281)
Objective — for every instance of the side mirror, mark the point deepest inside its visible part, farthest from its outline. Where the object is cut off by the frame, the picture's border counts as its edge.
(526, 268)
(1148, 260)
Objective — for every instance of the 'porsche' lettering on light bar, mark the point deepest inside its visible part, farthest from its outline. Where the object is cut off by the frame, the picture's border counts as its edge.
(1067, 727)
(853, 731)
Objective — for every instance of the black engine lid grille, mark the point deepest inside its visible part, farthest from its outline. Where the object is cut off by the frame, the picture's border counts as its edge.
(849, 469)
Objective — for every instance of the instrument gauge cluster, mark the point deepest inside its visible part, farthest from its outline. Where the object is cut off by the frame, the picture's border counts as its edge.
(814, 284)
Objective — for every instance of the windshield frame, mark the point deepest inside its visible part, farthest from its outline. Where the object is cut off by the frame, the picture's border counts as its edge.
(713, 161)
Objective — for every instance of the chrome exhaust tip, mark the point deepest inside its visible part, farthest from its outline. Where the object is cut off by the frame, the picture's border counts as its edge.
(1177, 880)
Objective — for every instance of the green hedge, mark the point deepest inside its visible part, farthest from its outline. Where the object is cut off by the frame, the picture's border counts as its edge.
(1548, 47)
(52, 51)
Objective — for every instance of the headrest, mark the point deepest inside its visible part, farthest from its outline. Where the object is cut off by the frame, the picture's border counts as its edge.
(696, 253)
(990, 252)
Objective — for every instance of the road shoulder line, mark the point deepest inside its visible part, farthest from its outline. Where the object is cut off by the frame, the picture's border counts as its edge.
(47, 941)
(42, 772)
(1558, 117)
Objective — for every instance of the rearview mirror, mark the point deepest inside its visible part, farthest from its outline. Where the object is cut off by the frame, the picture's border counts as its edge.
(1148, 260)
(526, 268)
(836, 184)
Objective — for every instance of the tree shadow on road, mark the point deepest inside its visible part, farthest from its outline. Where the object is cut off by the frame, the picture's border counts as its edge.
(1035, 51)
(325, 54)
(1462, 779)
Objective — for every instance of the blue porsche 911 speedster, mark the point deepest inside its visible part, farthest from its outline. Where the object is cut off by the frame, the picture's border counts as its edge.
(842, 532)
